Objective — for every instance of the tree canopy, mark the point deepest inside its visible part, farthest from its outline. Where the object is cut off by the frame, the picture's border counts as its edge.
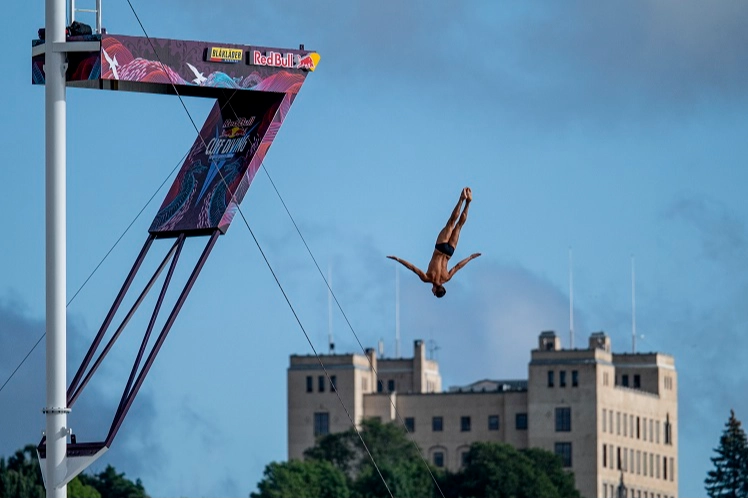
(491, 470)
(21, 476)
(729, 478)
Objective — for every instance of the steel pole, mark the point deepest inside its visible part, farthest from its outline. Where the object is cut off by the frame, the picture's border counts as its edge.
(55, 138)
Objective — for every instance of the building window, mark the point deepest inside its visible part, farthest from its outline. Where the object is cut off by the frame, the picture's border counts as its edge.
(668, 435)
(637, 427)
(465, 423)
(439, 459)
(410, 424)
(463, 459)
(321, 423)
(672, 469)
(625, 380)
(575, 378)
(550, 379)
(521, 421)
(562, 378)
(651, 435)
(618, 458)
(563, 418)
(638, 462)
(309, 384)
(625, 462)
(437, 423)
(618, 422)
(637, 381)
(605, 420)
(380, 386)
(563, 449)
(391, 385)
(664, 468)
(644, 429)
(605, 456)
(320, 383)
(333, 382)
(493, 422)
(625, 434)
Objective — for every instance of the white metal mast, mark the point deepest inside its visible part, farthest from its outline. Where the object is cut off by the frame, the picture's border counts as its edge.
(397, 313)
(571, 304)
(55, 109)
(633, 306)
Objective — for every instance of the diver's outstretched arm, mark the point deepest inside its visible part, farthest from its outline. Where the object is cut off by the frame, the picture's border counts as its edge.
(462, 264)
(412, 267)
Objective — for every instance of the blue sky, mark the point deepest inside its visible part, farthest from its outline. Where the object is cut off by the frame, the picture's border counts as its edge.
(613, 128)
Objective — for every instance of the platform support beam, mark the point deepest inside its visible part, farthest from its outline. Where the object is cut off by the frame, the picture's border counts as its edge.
(56, 278)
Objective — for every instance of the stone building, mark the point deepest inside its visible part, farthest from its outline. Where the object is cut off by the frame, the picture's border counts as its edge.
(612, 418)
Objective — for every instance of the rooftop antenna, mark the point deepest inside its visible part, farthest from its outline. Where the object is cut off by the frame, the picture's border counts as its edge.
(633, 306)
(571, 303)
(433, 347)
(397, 313)
(330, 341)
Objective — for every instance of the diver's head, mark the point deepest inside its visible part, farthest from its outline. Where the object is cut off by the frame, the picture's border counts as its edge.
(438, 290)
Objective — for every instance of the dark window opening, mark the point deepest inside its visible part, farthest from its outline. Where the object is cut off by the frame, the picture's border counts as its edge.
(309, 384)
(562, 378)
(575, 378)
(664, 468)
(380, 387)
(521, 421)
(605, 456)
(391, 385)
(563, 418)
(321, 384)
(410, 424)
(465, 423)
(550, 379)
(463, 459)
(563, 449)
(437, 423)
(625, 380)
(618, 457)
(637, 381)
(439, 459)
(493, 422)
(638, 428)
(321, 423)
(333, 383)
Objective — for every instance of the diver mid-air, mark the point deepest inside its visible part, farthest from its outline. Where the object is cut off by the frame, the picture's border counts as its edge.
(437, 273)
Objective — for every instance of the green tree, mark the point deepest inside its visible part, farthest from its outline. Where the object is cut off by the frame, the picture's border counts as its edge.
(21, 476)
(729, 478)
(109, 483)
(397, 459)
(552, 465)
(499, 470)
(310, 478)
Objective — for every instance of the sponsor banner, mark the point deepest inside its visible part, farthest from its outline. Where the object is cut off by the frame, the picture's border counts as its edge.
(220, 165)
(225, 54)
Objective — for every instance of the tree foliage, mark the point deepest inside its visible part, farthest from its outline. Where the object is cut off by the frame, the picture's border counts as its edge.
(499, 470)
(310, 478)
(491, 470)
(21, 476)
(729, 478)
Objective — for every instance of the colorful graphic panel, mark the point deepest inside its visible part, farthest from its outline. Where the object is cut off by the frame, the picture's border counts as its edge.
(221, 164)
(197, 68)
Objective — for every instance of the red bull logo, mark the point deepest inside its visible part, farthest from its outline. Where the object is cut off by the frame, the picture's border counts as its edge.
(233, 132)
(272, 59)
(290, 61)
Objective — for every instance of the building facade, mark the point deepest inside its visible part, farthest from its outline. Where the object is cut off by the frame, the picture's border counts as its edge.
(612, 418)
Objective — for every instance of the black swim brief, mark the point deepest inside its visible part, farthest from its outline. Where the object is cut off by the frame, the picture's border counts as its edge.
(445, 248)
